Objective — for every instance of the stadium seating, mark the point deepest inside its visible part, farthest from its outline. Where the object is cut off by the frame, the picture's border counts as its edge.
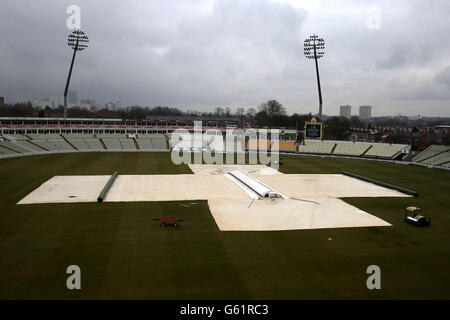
(14, 148)
(431, 151)
(350, 148)
(18, 137)
(41, 143)
(438, 159)
(80, 144)
(112, 144)
(78, 136)
(4, 151)
(127, 144)
(385, 150)
(111, 136)
(145, 144)
(151, 142)
(44, 136)
(151, 136)
(94, 144)
(316, 146)
(159, 144)
(54, 145)
(435, 155)
(29, 145)
(61, 144)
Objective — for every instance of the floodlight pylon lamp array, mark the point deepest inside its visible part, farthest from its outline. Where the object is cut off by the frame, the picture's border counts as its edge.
(78, 40)
(314, 47)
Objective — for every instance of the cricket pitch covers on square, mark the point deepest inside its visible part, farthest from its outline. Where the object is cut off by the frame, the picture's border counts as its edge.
(307, 201)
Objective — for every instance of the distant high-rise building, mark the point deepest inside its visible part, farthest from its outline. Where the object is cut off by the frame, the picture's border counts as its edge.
(365, 112)
(54, 101)
(2, 102)
(72, 99)
(87, 104)
(346, 111)
(109, 106)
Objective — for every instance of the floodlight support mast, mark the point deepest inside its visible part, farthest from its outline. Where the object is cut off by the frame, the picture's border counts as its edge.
(68, 79)
(78, 41)
(318, 83)
(314, 49)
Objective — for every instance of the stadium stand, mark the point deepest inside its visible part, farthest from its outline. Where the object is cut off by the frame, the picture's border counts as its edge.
(342, 148)
(53, 145)
(151, 136)
(351, 148)
(439, 159)
(93, 144)
(127, 144)
(18, 137)
(145, 144)
(429, 152)
(385, 150)
(61, 144)
(159, 144)
(14, 147)
(44, 136)
(10, 146)
(5, 152)
(80, 144)
(78, 136)
(17, 144)
(111, 136)
(112, 144)
(316, 146)
(28, 145)
(151, 141)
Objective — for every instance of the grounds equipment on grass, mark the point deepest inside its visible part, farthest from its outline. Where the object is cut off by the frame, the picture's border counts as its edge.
(169, 221)
(412, 216)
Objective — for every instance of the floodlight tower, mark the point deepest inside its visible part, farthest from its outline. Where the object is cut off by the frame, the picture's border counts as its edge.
(78, 41)
(314, 49)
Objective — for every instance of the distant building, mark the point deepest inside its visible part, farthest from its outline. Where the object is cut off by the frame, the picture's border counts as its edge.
(72, 99)
(51, 102)
(345, 111)
(109, 106)
(54, 101)
(2, 102)
(365, 112)
(43, 103)
(87, 104)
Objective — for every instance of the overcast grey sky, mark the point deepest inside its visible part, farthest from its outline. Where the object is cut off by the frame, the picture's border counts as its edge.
(201, 54)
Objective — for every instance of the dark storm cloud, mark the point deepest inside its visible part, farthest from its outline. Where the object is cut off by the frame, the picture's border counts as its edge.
(204, 54)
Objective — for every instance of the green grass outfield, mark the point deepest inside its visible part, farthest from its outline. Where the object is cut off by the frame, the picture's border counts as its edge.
(124, 254)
